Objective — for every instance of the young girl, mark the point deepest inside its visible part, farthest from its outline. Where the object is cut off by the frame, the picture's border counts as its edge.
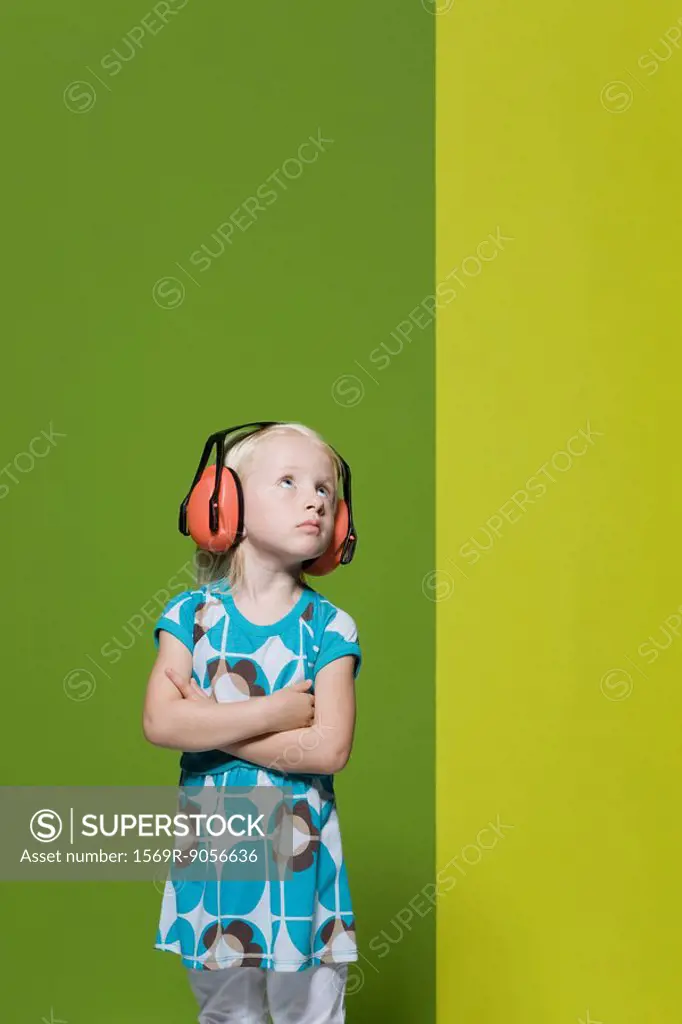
(254, 636)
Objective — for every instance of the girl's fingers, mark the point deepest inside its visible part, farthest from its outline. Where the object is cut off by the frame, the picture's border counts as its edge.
(177, 680)
(206, 694)
(189, 688)
(197, 689)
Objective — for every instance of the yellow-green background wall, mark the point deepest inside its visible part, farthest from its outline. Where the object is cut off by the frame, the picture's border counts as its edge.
(558, 679)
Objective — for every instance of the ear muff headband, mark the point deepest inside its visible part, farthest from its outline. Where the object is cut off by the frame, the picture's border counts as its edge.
(213, 510)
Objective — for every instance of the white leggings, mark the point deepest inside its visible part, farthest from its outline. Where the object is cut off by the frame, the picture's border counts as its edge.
(246, 994)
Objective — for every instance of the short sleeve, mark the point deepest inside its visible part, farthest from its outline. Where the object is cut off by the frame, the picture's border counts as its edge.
(178, 618)
(340, 637)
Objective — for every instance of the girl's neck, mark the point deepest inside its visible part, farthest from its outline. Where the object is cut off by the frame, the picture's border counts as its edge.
(268, 604)
(288, 592)
(262, 585)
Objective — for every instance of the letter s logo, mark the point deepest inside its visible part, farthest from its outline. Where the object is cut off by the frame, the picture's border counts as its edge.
(46, 826)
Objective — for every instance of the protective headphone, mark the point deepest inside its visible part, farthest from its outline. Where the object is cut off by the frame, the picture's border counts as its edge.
(213, 510)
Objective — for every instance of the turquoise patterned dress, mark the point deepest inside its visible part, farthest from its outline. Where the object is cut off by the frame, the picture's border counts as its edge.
(305, 918)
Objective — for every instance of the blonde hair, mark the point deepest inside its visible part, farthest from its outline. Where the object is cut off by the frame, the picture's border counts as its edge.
(229, 566)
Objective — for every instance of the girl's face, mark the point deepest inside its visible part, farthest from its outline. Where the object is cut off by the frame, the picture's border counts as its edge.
(290, 497)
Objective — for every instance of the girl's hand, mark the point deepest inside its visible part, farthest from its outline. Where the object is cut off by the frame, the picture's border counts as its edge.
(294, 709)
(188, 688)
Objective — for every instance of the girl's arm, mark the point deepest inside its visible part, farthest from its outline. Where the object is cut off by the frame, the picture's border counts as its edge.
(170, 721)
(324, 747)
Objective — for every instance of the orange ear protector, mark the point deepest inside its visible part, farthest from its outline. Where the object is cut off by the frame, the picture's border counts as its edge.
(213, 511)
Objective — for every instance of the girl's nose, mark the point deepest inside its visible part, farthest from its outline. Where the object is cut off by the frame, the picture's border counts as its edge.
(316, 502)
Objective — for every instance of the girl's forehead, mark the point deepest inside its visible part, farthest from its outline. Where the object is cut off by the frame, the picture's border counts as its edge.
(282, 450)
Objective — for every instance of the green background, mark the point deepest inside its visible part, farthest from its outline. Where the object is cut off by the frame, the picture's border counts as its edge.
(102, 203)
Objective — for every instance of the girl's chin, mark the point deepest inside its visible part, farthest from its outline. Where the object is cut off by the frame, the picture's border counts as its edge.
(312, 550)
(306, 549)
(311, 547)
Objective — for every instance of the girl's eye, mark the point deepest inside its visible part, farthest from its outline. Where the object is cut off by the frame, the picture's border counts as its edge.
(324, 490)
(287, 479)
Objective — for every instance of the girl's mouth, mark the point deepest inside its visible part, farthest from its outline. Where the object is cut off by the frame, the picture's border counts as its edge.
(310, 527)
